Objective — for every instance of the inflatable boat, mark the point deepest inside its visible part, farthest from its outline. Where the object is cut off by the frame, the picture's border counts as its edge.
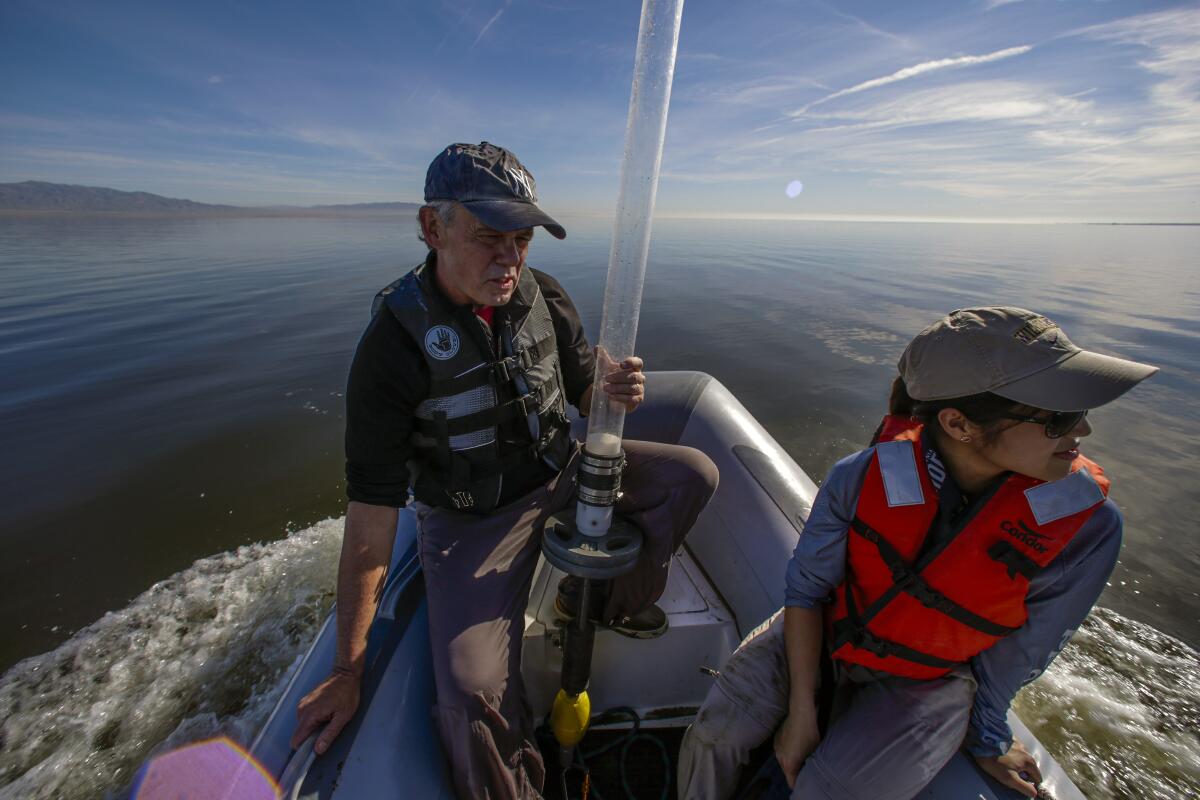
(727, 578)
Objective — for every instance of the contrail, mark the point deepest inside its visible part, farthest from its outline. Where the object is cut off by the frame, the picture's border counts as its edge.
(489, 24)
(920, 69)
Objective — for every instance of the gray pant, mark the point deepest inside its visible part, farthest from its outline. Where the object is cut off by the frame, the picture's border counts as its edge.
(478, 571)
(887, 738)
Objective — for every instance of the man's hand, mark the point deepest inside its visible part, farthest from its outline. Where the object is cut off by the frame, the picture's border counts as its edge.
(332, 704)
(624, 383)
(1016, 769)
(795, 740)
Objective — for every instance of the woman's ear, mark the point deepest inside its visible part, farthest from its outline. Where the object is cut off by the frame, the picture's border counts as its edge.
(955, 425)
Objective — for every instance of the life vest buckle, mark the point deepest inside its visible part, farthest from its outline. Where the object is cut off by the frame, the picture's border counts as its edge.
(914, 585)
(931, 598)
(904, 578)
(865, 640)
(518, 363)
(503, 376)
(529, 402)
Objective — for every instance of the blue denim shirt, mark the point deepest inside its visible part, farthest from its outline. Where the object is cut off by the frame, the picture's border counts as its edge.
(1059, 598)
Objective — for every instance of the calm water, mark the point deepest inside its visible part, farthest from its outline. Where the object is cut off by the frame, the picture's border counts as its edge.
(170, 390)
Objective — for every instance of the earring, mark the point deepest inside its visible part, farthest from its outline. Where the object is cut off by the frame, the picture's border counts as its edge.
(964, 438)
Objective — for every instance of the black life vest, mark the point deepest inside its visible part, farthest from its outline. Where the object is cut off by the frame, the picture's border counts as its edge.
(476, 394)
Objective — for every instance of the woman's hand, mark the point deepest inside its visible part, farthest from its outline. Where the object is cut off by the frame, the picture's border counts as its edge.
(624, 383)
(1016, 769)
(796, 738)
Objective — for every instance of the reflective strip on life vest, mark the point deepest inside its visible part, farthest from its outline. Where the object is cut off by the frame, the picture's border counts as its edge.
(487, 418)
(901, 481)
(1076, 492)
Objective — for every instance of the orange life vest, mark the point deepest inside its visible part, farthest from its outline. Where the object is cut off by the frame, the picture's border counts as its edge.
(918, 614)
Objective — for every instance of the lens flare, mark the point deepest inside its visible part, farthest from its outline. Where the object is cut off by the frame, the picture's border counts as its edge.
(204, 770)
(794, 189)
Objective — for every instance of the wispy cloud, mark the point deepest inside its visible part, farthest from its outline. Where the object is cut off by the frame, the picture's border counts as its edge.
(971, 115)
(978, 101)
(487, 26)
(758, 91)
(919, 69)
(1173, 37)
(863, 25)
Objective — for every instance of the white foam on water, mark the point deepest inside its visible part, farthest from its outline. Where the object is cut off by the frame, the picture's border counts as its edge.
(208, 652)
(1120, 711)
(202, 653)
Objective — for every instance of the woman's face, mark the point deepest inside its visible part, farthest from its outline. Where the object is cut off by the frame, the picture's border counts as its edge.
(1024, 447)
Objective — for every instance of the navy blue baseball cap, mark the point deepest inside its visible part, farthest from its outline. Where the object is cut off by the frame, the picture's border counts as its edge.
(492, 184)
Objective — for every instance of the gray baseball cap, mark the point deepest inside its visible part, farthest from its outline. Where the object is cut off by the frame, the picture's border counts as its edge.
(492, 184)
(1016, 354)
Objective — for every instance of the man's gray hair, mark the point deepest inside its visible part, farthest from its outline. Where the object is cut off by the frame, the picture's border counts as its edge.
(443, 208)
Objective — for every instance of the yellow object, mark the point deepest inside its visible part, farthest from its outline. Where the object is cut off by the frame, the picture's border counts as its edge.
(570, 716)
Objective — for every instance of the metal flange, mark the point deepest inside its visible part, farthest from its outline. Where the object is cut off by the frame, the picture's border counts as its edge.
(596, 557)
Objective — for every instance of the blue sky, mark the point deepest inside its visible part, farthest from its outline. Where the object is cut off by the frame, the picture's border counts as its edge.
(997, 109)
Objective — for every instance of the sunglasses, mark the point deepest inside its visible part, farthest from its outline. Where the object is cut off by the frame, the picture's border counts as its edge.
(1058, 424)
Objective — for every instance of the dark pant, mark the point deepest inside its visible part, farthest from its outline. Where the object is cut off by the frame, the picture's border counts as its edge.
(886, 738)
(769, 783)
(478, 571)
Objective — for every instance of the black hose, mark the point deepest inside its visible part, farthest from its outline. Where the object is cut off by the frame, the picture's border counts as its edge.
(625, 742)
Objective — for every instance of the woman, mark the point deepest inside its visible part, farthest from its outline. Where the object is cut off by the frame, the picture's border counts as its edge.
(939, 571)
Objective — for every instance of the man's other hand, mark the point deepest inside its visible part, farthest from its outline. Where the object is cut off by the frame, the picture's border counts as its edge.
(796, 738)
(624, 383)
(1016, 769)
(332, 705)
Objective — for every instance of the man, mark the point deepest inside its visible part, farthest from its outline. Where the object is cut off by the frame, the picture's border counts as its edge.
(459, 388)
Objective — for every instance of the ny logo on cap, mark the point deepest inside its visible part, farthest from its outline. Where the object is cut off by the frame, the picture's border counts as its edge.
(1031, 330)
(503, 165)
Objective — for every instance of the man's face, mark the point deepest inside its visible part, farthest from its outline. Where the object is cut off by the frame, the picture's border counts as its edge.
(476, 264)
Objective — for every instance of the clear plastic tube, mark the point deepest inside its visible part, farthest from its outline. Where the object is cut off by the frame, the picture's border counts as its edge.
(653, 71)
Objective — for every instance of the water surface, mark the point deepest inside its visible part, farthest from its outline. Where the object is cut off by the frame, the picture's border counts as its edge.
(172, 391)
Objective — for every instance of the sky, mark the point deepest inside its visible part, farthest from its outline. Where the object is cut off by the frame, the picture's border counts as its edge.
(1040, 110)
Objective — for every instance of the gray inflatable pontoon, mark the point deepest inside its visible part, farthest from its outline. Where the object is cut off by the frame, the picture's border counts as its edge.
(727, 579)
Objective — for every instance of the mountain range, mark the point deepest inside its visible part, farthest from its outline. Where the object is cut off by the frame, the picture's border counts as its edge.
(62, 197)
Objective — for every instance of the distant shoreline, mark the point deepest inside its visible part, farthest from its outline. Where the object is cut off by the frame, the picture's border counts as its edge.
(244, 213)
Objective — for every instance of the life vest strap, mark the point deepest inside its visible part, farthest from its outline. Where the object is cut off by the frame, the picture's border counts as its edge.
(503, 370)
(853, 631)
(517, 408)
(523, 359)
(910, 582)
(1017, 562)
(462, 472)
(467, 471)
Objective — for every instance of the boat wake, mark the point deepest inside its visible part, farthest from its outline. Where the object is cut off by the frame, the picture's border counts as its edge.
(208, 651)
(204, 652)
(1119, 710)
